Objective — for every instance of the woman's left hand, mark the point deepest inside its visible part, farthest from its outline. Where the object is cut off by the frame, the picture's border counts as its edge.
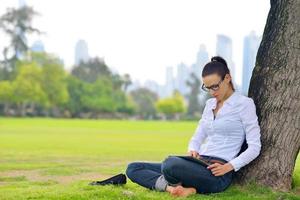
(218, 169)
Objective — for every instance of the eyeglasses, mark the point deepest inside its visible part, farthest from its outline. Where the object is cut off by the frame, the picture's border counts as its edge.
(214, 87)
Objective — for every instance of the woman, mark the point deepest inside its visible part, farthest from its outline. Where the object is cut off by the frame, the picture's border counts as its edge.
(227, 120)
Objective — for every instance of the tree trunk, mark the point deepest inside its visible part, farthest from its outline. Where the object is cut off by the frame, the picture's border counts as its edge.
(6, 109)
(275, 89)
(21, 109)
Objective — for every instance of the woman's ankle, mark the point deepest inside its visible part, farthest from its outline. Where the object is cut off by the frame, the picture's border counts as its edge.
(169, 188)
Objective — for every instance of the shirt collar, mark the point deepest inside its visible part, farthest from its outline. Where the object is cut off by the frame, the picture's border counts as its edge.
(230, 100)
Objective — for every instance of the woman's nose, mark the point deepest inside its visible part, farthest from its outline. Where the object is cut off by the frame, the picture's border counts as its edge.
(212, 92)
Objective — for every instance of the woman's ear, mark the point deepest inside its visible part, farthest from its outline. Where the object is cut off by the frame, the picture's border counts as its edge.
(227, 78)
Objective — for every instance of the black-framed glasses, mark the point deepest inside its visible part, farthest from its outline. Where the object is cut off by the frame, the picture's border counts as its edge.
(214, 87)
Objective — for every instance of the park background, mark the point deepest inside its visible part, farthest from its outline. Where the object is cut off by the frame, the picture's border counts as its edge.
(86, 88)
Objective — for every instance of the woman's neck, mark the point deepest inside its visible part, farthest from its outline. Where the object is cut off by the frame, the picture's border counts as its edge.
(226, 96)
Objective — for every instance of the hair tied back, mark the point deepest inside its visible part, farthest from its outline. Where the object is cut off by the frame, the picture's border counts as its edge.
(218, 59)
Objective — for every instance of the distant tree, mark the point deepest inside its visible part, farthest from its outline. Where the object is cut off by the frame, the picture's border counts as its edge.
(4, 72)
(145, 100)
(96, 98)
(75, 89)
(95, 69)
(53, 80)
(128, 106)
(6, 95)
(16, 23)
(124, 103)
(193, 101)
(117, 81)
(90, 97)
(91, 70)
(126, 82)
(27, 88)
(171, 107)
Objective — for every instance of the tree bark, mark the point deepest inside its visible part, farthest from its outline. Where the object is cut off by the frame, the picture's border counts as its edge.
(275, 89)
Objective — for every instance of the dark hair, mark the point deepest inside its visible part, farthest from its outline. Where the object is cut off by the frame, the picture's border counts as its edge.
(217, 65)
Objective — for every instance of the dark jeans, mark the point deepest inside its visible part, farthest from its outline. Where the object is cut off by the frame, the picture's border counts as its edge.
(179, 171)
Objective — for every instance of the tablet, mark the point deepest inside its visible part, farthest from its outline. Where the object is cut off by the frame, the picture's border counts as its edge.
(196, 160)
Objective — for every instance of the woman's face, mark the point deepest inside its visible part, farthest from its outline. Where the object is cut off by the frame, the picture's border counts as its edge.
(216, 81)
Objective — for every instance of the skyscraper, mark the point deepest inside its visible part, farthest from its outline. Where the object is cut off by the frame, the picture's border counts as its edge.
(81, 52)
(201, 60)
(181, 78)
(22, 3)
(169, 81)
(251, 44)
(224, 49)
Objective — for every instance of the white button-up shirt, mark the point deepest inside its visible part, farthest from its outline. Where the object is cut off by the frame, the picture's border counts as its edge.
(224, 135)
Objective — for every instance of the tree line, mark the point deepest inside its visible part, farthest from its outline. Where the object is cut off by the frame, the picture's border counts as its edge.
(36, 83)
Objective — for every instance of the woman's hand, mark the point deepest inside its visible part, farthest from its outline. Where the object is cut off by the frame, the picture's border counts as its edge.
(194, 154)
(218, 169)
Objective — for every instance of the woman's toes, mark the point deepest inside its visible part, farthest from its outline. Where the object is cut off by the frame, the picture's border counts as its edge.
(178, 190)
(184, 192)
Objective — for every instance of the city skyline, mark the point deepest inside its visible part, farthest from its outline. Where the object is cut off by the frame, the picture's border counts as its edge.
(136, 41)
(177, 81)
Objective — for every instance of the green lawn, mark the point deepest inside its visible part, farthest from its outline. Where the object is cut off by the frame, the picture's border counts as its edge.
(56, 159)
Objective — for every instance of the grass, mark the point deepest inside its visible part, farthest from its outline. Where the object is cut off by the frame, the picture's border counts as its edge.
(57, 158)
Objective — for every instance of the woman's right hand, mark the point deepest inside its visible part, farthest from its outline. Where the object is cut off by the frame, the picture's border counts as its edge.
(194, 154)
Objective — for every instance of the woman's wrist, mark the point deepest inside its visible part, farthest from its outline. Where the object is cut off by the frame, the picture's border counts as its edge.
(229, 167)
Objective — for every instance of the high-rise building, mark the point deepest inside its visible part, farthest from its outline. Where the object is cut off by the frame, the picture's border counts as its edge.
(81, 52)
(201, 60)
(22, 3)
(251, 44)
(224, 49)
(181, 78)
(169, 86)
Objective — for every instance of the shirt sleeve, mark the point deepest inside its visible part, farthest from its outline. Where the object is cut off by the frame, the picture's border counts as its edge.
(252, 131)
(199, 134)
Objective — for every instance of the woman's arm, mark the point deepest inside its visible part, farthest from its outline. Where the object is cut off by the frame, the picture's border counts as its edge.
(197, 138)
(199, 134)
(252, 130)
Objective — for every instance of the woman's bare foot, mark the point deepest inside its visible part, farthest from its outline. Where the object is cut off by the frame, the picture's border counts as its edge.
(180, 191)
(170, 189)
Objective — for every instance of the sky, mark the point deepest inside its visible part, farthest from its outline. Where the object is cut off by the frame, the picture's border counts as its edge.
(143, 37)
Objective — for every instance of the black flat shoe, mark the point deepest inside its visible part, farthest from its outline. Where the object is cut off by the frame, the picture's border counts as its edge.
(115, 180)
